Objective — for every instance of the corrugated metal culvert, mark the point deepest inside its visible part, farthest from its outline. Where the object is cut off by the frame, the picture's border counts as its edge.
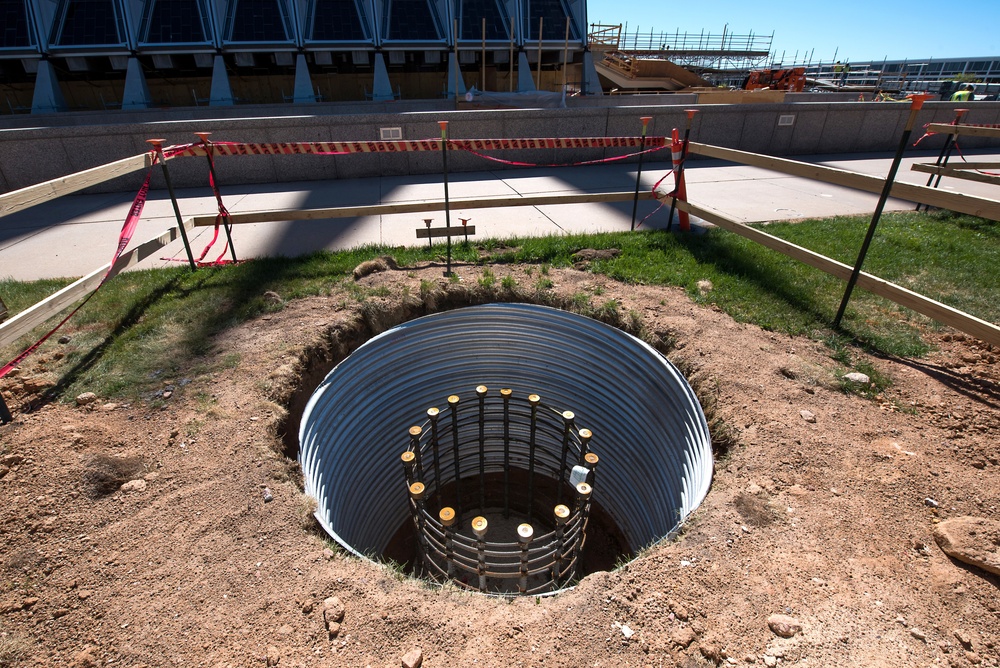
(654, 443)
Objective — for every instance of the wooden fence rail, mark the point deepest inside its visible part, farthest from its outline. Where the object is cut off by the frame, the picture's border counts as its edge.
(27, 320)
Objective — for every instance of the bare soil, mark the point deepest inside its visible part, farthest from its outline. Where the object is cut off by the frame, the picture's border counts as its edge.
(828, 521)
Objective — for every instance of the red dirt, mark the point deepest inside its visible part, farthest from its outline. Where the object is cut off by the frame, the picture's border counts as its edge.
(823, 521)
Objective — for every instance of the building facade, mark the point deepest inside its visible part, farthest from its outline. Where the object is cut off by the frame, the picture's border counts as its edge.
(60, 55)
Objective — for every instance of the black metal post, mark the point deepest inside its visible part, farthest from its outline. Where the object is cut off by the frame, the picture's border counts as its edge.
(942, 159)
(680, 168)
(5, 416)
(638, 174)
(158, 149)
(215, 179)
(916, 102)
(447, 207)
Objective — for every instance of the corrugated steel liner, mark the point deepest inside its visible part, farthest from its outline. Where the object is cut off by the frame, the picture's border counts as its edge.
(650, 431)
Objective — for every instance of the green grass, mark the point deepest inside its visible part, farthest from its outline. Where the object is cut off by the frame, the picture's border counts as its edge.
(140, 327)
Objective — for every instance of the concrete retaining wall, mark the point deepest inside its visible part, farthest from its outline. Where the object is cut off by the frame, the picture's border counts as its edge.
(30, 155)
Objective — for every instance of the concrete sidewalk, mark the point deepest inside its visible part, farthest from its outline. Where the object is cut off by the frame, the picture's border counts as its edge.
(75, 234)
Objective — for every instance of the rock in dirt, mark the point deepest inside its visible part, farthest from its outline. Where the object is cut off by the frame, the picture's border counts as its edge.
(918, 634)
(138, 485)
(856, 377)
(413, 658)
(65, 339)
(972, 540)
(333, 611)
(705, 286)
(683, 637)
(808, 416)
(4, 470)
(272, 297)
(375, 266)
(591, 254)
(33, 385)
(964, 638)
(86, 658)
(783, 625)
(85, 398)
(273, 658)
(770, 661)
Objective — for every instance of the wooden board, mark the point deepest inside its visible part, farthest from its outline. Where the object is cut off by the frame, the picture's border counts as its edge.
(27, 320)
(958, 173)
(942, 199)
(963, 130)
(453, 231)
(422, 206)
(18, 200)
(981, 329)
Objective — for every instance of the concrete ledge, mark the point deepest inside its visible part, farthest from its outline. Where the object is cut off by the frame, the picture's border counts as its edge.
(74, 142)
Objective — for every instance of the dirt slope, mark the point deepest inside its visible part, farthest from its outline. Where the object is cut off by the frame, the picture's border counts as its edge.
(825, 521)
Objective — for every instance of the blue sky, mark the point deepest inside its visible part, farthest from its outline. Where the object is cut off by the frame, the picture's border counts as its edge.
(853, 29)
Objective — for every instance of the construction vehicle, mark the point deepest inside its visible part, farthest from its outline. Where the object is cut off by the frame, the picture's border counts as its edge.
(791, 79)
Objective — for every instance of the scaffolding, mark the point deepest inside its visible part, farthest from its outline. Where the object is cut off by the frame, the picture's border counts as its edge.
(703, 53)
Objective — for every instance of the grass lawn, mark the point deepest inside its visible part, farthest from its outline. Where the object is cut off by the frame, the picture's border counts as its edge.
(147, 320)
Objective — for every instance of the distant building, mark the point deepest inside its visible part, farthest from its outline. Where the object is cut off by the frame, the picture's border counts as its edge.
(132, 54)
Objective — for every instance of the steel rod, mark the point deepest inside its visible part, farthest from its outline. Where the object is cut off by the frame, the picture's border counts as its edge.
(158, 148)
(638, 173)
(209, 151)
(916, 102)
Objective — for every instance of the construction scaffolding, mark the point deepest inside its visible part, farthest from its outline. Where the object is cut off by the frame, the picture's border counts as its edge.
(704, 53)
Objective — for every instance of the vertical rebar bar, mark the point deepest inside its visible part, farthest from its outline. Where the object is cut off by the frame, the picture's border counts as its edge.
(415, 432)
(408, 459)
(524, 535)
(584, 494)
(567, 417)
(505, 393)
(432, 415)
(534, 400)
(447, 517)
(585, 436)
(417, 507)
(590, 460)
(479, 526)
(561, 514)
(481, 393)
(453, 405)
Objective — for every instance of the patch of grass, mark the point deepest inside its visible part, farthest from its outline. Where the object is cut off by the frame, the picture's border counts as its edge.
(488, 280)
(754, 510)
(104, 474)
(543, 284)
(14, 649)
(143, 326)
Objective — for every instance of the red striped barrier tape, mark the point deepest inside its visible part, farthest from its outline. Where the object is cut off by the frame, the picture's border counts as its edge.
(402, 146)
(128, 229)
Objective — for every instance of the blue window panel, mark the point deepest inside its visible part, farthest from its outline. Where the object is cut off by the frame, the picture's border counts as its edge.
(89, 22)
(14, 24)
(411, 20)
(337, 20)
(473, 13)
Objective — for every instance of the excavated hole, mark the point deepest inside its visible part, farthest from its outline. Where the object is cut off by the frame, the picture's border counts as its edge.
(654, 470)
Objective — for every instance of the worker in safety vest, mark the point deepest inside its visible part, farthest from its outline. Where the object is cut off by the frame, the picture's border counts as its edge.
(964, 94)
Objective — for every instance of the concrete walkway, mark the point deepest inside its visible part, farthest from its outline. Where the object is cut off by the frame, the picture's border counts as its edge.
(75, 234)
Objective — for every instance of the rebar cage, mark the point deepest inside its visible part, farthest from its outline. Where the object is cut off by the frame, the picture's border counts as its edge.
(493, 457)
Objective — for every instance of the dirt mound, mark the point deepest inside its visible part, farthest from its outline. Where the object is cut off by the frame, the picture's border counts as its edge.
(826, 521)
